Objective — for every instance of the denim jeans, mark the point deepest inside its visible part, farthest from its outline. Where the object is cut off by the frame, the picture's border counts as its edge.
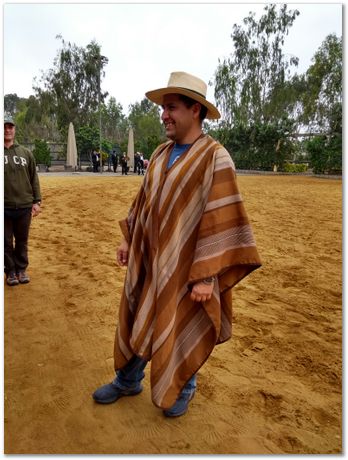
(131, 375)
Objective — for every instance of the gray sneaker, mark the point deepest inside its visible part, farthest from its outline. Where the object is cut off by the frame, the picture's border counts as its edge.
(12, 279)
(181, 405)
(23, 277)
(110, 393)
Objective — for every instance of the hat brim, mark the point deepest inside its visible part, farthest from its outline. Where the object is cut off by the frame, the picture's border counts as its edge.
(157, 95)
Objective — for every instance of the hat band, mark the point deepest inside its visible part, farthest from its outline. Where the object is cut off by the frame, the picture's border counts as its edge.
(192, 91)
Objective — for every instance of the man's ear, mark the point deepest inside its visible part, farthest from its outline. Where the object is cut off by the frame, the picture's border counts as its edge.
(196, 109)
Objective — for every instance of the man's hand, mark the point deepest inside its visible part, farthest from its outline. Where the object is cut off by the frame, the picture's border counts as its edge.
(35, 210)
(122, 253)
(201, 291)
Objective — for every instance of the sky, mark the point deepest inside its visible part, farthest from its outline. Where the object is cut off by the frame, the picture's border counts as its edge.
(145, 42)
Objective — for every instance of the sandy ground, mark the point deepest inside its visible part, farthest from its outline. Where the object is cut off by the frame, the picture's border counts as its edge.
(274, 388)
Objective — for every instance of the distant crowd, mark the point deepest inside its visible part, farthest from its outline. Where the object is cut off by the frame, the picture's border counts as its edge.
(115, 160)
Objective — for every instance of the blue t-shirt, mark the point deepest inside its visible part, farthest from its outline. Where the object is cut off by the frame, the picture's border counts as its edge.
(177, 151)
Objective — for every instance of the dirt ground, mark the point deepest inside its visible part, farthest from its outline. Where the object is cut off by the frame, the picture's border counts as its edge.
(275, 388)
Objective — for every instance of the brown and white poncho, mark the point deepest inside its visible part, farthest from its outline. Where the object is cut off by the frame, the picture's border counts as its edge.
(186, 223)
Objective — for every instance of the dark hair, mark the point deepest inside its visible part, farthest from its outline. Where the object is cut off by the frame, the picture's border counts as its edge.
(189, 103)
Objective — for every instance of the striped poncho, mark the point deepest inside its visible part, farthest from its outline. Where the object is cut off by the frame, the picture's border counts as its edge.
(186, 223)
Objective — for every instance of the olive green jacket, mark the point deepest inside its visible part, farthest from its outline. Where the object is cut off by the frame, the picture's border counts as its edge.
(21, 181)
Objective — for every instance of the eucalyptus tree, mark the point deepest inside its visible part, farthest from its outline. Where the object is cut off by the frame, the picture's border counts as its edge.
(322, 104)
(251, 85)
(70, 90)
(323, 99)
(256, 91)
(11, 104)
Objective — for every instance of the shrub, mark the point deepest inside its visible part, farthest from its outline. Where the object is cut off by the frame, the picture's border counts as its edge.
(325, 153)
(42, 152)
(295, 168)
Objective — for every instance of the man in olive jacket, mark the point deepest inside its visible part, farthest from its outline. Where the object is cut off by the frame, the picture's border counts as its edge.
(22, 200)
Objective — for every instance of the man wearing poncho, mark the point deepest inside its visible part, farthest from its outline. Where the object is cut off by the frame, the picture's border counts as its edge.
(187, 242)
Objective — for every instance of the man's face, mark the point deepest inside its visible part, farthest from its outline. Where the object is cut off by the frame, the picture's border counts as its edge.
(9, 133)
(177, 118)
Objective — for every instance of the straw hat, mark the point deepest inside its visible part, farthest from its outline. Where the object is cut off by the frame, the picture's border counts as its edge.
(187, 85)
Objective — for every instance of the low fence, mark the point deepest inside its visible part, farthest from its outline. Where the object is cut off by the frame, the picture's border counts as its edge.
(60, 165)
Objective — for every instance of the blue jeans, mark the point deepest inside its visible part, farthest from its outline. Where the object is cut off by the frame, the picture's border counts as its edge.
(131, 375)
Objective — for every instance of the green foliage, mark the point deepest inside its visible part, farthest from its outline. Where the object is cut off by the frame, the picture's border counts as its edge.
(105, 156)
(10, 104)
(148, 131)
(317, 153)
(322, 101)
(262, 101)
(87, 140)
(257, 147)
(295, 168)
(114, 122)
(325, 153)
(334, 160)
(70, 90)
(31, 123)
(251, 86)
(106, 145)
(42, 153)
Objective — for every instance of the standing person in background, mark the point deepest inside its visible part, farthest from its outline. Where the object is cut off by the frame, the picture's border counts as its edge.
(114, 160)
(187, 242)
(95, 161)
(141, 164)
(136, 161)
(124, 164)
(22, 200)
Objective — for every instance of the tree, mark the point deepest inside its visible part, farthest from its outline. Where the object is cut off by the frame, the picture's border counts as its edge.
(323, 99)
(70, 90)
(10, 104)
(322, 103)
(144, 117)
(114, 122)
(257, 93)
(261, 146)
(250, 86)
(31, 122)
(42, 152)
(87, 140)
